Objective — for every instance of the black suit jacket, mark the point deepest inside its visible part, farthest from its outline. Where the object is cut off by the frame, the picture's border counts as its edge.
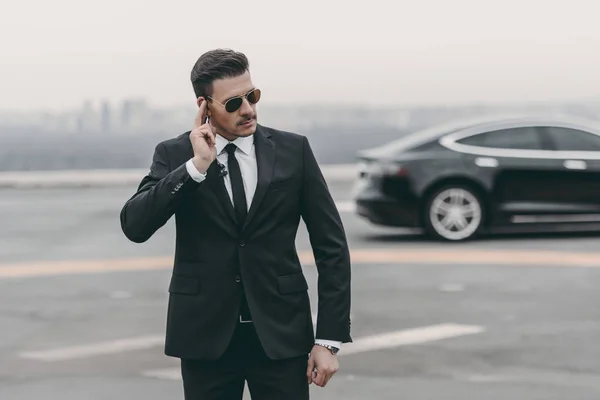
(214, 258)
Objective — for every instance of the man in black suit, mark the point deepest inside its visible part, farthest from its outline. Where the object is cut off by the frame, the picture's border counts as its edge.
(239, 308)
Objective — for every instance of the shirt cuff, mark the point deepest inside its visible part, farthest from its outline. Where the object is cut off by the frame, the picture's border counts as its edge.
(194, 173)
(329, 342)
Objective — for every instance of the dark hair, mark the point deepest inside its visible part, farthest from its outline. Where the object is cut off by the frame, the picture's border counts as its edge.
(216, 64)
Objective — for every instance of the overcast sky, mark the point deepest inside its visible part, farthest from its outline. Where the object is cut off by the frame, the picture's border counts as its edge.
(55, 54)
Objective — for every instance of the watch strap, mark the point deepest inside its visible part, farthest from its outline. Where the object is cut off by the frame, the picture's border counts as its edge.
(334, 350)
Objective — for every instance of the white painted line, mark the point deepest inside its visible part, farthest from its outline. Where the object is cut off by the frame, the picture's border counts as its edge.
(172, 374)
(102, 348)
(95, 349)
(345, 206)
(370, 343)
(409, 337)
(452, 287)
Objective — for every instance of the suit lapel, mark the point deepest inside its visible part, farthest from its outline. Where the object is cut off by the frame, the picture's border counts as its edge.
(219, 190)
(265, 159)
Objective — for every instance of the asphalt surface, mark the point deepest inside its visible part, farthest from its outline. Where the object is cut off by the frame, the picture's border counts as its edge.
(529, 330)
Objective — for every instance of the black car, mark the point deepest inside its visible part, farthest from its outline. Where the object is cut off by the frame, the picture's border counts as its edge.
(467, 177)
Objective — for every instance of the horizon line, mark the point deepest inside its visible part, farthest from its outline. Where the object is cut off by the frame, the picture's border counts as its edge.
(306, 104)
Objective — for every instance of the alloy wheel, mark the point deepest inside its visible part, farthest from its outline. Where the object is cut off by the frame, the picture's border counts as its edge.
(455, 214)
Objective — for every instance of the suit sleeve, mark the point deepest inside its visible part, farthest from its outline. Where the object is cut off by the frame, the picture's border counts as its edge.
(330, 250)
(156, 198)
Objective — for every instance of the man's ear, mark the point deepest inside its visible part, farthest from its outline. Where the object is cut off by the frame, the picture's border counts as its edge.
(208, 110)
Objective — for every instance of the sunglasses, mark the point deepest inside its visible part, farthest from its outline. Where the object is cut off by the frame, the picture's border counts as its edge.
(233, 104)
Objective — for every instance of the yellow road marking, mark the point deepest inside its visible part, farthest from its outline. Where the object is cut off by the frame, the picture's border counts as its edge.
(360, 256)
(82, 266)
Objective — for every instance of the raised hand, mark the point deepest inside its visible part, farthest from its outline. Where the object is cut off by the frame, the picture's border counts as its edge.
(203, 142)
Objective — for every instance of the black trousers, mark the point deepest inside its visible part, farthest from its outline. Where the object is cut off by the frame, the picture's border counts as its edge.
(245, 361)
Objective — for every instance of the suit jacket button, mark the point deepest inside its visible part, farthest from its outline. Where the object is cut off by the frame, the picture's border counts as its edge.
(242, 244)
(237, 279)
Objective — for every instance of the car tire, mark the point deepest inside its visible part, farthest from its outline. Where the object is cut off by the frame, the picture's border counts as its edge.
(454, 212)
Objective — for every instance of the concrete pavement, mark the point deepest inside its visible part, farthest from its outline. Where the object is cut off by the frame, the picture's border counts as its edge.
(493, 319)
(120, 177)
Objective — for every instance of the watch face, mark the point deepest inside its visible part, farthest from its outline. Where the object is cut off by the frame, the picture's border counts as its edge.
(334, 350)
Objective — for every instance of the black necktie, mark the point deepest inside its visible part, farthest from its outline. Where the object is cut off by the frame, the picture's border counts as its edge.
(239, 204)
(237, 185)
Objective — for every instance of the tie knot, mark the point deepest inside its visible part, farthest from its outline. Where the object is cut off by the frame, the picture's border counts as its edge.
(230, 148)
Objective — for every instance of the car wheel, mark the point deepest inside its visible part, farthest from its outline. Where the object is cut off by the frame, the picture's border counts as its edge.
(454, 213)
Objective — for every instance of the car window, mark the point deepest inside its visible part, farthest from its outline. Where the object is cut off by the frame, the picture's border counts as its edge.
(517, 138)
(415, 139)
(566, 139)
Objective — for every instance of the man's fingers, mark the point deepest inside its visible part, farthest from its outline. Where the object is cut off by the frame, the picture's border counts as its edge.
(310, 369)
(327, 378)
(205, 133)
(320, 379)
(199, 120)
(211, 137)
(324, 375)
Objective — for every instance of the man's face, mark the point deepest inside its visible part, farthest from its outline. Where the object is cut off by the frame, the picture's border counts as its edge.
(241, 122)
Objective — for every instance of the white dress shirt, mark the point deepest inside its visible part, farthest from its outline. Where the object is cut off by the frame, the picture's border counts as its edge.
(246, 157)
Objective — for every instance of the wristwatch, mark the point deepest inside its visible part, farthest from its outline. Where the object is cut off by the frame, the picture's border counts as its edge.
(334, 350)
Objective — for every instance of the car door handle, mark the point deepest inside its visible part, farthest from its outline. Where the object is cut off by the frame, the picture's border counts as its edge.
(575, 164)
(487, 162)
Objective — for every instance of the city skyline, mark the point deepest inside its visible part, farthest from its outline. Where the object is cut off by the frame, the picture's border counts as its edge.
(139, 116)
